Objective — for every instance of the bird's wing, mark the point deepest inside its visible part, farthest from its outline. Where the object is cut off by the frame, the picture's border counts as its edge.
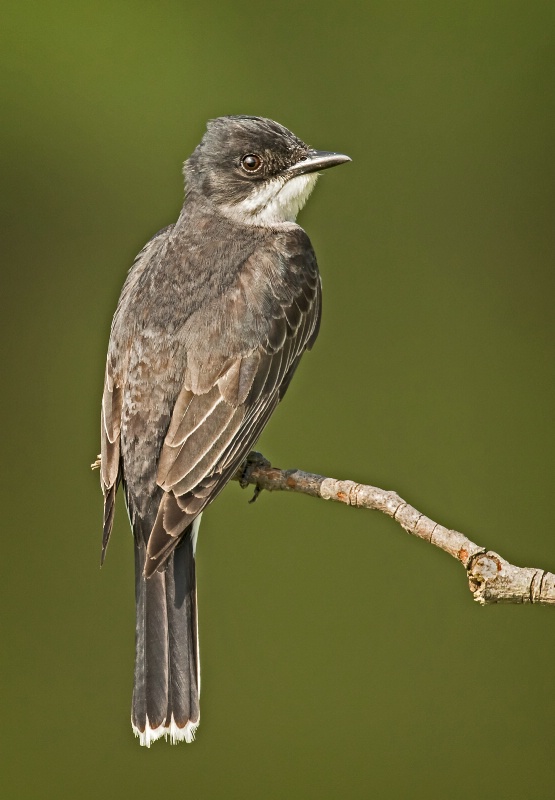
(112, 398)
(217, 418)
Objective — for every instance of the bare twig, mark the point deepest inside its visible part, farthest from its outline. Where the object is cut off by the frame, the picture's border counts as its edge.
(491, 578)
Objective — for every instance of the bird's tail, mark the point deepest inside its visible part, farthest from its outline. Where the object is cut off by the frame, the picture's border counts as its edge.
(167, 670)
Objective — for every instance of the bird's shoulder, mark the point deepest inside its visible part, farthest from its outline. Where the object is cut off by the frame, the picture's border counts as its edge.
(274, 286)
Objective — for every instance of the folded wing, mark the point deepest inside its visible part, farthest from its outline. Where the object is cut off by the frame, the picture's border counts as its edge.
(217, 418)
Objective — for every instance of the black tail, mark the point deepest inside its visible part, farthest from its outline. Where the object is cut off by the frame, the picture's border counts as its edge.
(167, 672)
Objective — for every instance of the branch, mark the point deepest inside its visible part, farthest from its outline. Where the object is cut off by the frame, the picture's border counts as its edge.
(491, 579)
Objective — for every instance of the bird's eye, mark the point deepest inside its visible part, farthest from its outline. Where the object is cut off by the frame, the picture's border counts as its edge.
(251, 162)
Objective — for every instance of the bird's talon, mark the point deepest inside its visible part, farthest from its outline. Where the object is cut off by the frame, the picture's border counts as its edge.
(257, 490)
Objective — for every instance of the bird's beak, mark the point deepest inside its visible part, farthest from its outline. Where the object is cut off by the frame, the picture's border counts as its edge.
(316, 160)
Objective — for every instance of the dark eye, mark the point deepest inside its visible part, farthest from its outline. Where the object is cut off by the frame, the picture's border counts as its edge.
(251, 162)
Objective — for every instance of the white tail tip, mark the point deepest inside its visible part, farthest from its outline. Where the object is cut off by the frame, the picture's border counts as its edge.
(176, 734)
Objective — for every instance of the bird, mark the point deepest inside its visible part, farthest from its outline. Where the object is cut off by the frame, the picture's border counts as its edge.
(213, 318)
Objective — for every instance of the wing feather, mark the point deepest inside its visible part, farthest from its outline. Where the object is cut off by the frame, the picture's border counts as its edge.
(112, 400)
(110, 432)
(176, 462)
(204, 466)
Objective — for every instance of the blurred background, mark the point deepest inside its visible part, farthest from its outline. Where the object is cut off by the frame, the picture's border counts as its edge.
(340, 657)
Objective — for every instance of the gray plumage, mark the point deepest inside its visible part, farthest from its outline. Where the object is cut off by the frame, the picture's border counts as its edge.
(212, 321)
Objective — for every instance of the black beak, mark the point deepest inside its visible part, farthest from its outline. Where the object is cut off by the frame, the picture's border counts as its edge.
(317, 160)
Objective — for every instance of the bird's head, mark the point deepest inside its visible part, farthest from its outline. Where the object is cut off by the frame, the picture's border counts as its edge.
(255, 170)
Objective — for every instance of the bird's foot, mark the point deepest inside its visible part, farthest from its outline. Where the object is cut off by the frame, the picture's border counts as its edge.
(253, 460)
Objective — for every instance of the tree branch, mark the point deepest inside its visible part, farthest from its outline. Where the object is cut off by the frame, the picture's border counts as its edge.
(491, 579)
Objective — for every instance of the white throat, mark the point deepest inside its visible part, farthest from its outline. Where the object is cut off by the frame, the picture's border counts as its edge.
(275, 202)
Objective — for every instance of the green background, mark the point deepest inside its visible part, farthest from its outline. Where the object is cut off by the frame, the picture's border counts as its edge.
(341, 658)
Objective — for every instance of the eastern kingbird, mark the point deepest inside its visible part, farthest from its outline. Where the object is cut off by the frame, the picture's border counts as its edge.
(212, 321)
